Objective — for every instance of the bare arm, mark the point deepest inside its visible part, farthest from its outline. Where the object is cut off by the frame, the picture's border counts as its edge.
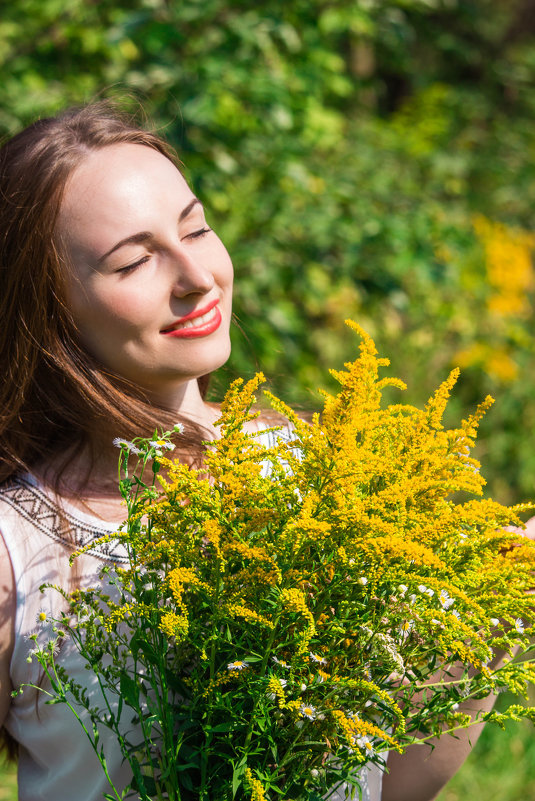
(7, 620)
(420, 773)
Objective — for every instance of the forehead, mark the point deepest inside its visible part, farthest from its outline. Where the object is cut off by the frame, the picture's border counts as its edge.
(116, 189)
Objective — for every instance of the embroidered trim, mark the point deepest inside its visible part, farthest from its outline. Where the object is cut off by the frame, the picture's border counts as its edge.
(34, 505)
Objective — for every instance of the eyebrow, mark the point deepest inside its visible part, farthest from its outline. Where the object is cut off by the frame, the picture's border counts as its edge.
(144, 236)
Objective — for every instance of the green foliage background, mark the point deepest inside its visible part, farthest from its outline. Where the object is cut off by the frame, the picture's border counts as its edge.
(342, 148)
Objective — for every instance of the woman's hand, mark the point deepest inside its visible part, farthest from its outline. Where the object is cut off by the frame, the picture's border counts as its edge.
(529, 531)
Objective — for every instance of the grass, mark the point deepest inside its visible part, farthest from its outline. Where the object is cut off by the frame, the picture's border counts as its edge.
(8, 783)
(500, 768)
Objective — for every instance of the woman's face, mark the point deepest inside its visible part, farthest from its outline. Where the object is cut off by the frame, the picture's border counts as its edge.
(149, 284)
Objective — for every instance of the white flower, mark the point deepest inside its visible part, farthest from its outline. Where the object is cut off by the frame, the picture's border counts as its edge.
(303, 688)
(402, 589)
(365, 744)
(519, 625)
(494, 621)
(307, 711)
(445, 600)
(280, 662)
(455, 707)
(237, 665)
(314, 773)
(41, 617)
(412, 599)
(159, 445)
(34, 653)
(119, 442)
(426, 590)
(455, 613)
(179, 428)
(318, 659)
(363, 581)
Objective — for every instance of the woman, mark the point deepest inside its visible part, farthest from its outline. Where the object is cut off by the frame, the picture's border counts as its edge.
(116, 306)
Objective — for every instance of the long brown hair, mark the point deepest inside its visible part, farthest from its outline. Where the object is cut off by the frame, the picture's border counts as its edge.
(52, 392)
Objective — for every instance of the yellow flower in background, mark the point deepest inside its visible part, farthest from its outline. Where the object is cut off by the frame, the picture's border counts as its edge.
(496, 361)
(508, 259)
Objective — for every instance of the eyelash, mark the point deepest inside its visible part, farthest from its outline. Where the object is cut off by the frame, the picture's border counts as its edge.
(197, 234)
(130, 267)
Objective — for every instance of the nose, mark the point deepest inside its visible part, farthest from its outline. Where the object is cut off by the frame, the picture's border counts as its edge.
(189, 274)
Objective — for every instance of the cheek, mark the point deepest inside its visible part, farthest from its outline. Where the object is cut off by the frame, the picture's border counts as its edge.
(112, 310)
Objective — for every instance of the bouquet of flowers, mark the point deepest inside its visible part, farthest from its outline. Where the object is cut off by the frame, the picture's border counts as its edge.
(291, 612)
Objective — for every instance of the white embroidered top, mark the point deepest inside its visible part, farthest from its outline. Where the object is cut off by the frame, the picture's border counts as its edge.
(57, 761)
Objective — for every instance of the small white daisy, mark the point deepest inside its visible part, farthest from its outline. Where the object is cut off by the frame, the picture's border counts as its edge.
(280, 662)
(237, 665)
(307, 711)
(445, 600)
(406, 628)
(365, 744)
(519, 625)
(41, 617)
(179, 428)
(363, 581)
(494, 621)
(319, 660)
(119, 442)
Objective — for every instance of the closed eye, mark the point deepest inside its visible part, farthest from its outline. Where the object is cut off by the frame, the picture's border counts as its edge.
(197, 234)
(131, 267)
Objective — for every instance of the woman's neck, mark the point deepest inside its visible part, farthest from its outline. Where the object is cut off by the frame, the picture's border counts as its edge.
(89, 474)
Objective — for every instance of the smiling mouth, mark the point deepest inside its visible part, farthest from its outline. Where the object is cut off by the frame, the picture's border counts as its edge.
(196, 324)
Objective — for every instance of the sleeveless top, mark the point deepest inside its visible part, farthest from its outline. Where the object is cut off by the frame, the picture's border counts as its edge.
(56, 759)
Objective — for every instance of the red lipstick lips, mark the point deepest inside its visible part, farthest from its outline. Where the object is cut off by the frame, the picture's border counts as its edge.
(198, 323)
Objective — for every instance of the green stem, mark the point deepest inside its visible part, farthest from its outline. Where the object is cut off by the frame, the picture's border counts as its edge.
(208, 734)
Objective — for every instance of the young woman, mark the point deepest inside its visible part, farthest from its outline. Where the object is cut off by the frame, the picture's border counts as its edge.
(115, 306)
